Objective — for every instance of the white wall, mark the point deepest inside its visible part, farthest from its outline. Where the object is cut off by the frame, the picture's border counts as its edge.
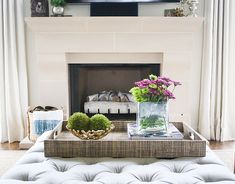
(148, 9)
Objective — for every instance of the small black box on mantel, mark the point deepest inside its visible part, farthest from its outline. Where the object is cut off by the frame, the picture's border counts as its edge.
(39, 8)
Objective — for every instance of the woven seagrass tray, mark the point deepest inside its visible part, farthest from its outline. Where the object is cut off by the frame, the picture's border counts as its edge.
(62, 143)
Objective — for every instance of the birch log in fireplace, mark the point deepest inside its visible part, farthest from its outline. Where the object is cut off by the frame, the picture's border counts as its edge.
(110, 102)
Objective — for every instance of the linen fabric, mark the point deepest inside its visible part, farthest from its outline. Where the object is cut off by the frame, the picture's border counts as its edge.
(44, 121)
(13, 73)
(216, 113)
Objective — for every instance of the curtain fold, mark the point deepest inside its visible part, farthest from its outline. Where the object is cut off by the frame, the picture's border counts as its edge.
(228, 131)
(215, 118)
(13, 76)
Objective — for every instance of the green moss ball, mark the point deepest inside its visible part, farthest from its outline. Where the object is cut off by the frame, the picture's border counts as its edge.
(99, 122)
(79, 121)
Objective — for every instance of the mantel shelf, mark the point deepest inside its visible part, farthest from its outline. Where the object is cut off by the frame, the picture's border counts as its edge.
(114, 24)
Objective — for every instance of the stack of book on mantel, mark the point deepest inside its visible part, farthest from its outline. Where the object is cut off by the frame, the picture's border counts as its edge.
(172, 133)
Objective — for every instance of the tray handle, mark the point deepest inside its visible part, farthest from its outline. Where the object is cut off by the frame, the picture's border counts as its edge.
(57, 130)
(193, 134)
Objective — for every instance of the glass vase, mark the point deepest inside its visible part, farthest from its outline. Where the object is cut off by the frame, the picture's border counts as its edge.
(152, 117)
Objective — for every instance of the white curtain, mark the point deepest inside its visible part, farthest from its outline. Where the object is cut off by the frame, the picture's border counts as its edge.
(217, 114)
(13, 76)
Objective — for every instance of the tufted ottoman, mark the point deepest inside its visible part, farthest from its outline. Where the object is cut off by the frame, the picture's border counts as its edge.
(34, 168)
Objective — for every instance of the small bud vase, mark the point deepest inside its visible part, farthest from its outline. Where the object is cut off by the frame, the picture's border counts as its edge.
(58, 11)
(152, 117)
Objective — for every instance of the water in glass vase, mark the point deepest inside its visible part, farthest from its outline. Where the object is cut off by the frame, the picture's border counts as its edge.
(152, 117)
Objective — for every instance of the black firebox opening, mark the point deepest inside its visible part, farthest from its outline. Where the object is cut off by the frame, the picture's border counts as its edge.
(89, 79)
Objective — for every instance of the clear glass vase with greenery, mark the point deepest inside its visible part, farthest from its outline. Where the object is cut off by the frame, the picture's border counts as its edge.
(152, 95)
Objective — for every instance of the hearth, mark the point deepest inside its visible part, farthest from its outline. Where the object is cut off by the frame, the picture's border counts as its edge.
(104, 88)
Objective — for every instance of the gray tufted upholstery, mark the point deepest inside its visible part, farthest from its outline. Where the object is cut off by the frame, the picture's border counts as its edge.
(34, 168)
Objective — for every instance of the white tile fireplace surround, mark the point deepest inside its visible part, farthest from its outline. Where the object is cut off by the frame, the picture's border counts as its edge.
(174, 43)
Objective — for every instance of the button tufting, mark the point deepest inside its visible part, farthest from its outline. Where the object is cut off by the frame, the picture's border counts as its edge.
(62, 168)
(25, 177)
(89, 178)
(177, 170)
(118, 170)
(146, 178)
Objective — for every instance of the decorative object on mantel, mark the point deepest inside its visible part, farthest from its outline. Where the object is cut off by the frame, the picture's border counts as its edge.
(189, 7)
(152, 96)
(96, 127)
(177, 12)
(39, 8)
(169, 12)
(193, 8)
(185, 8)
(58, 7)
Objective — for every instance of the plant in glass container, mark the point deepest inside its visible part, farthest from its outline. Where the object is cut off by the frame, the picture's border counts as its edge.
(58, 7)
(152, 95)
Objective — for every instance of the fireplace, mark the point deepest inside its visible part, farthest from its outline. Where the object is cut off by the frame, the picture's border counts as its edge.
(173, 42)
(91, 79)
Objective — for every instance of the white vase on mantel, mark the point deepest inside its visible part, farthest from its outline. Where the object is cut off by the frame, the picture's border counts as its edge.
(193, 5)
(58, 11)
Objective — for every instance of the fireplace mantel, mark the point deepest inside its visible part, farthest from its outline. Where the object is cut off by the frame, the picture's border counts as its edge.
(55, 42)
(114, 24)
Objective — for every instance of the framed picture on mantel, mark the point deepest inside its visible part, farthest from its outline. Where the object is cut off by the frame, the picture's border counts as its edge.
(39, 8)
